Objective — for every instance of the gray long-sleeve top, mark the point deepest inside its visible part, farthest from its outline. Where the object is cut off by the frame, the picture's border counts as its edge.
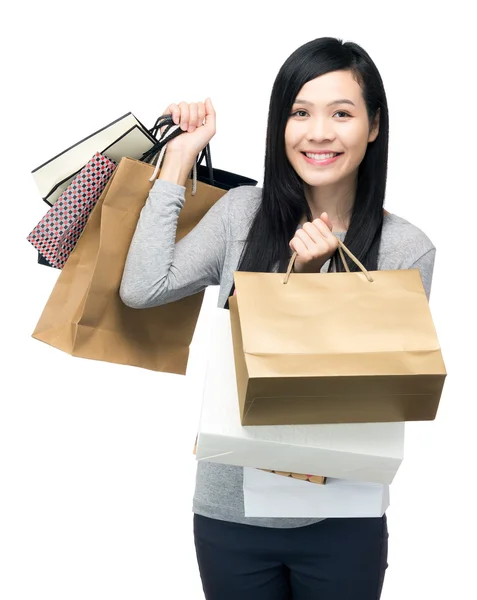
(158, 271)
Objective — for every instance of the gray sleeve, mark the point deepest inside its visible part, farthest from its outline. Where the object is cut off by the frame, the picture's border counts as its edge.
(158, 271)
(425, 264)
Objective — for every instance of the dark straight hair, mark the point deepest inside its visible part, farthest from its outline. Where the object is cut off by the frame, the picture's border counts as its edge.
(283, 201)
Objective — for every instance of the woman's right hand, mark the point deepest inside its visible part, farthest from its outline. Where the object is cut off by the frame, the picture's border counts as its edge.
(314, 244)
(197, 120)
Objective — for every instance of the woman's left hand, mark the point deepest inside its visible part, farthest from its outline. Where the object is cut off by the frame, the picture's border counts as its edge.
(314, 245)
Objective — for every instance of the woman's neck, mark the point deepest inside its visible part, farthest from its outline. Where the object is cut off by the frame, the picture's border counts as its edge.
(336, 200)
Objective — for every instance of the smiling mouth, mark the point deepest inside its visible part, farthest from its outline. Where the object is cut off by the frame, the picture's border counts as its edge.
(326, 156)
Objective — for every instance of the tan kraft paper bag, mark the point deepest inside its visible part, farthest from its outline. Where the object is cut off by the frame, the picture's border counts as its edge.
(356, 347)
(85, 316)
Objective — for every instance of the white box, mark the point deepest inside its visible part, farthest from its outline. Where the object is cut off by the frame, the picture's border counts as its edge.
(370, 452)
(269, 495)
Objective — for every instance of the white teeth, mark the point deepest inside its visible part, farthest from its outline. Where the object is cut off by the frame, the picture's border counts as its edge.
(321, 156)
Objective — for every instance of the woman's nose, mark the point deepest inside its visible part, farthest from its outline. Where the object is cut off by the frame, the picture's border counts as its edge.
(320, 129)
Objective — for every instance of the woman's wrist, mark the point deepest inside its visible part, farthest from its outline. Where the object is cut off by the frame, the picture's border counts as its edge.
(176, 168)
(313, 266)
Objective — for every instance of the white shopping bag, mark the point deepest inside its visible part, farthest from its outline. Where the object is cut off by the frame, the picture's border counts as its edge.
(124, 137)
(269, 495)
(370, 452)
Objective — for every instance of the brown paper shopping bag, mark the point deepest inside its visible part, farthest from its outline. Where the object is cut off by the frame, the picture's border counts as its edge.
(355, 347)
(85, 316)
(318, 479)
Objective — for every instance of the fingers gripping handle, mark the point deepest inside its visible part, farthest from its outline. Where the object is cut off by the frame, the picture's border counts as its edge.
(341, 248)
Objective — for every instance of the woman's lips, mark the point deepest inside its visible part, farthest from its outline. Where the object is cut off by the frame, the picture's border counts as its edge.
(321, 163)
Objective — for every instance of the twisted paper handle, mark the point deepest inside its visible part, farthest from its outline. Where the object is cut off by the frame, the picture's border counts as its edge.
(170, 132)
(341, 247)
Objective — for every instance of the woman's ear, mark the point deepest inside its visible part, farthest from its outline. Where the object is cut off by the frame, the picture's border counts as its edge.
(373, 134)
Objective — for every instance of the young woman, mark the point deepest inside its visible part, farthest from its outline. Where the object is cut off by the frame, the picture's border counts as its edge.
(325, 178)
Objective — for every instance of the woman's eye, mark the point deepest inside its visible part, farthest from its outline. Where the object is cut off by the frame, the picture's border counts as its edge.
(299, 113)
(343, 113)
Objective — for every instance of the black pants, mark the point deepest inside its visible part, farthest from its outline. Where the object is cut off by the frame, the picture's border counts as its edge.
(335, 559)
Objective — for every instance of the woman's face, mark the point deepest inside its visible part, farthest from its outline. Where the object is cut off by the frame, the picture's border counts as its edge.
(328, 130)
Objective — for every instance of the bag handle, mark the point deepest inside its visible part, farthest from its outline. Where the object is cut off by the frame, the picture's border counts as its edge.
(167, 135)
(160, 122)
(208, 162)
(158, 150)
(341, 247)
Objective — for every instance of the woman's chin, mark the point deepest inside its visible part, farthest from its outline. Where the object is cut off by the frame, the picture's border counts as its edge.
(320, 181)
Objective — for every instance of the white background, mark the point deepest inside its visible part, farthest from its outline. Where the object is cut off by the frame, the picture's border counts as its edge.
(96, 465)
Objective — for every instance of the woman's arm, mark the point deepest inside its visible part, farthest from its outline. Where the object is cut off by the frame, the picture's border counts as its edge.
(157, 270)
(425, 264)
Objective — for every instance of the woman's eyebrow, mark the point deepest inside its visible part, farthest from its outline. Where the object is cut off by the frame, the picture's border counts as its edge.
(339, 101)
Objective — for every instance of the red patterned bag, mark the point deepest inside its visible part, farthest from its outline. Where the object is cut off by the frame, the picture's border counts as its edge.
(56, 234)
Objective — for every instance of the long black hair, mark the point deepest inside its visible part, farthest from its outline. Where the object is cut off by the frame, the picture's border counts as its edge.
(283, 201)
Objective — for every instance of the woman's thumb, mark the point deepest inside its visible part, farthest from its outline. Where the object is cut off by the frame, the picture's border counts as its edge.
(209, 112)
(326, 220)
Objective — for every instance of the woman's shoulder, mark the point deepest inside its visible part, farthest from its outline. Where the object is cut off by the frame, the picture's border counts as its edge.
(403, 242)
(245, 196)
(242, 205)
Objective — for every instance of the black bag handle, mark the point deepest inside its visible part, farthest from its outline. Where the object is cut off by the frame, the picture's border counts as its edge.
(208, 162)
(168, 122)
(162, 121)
